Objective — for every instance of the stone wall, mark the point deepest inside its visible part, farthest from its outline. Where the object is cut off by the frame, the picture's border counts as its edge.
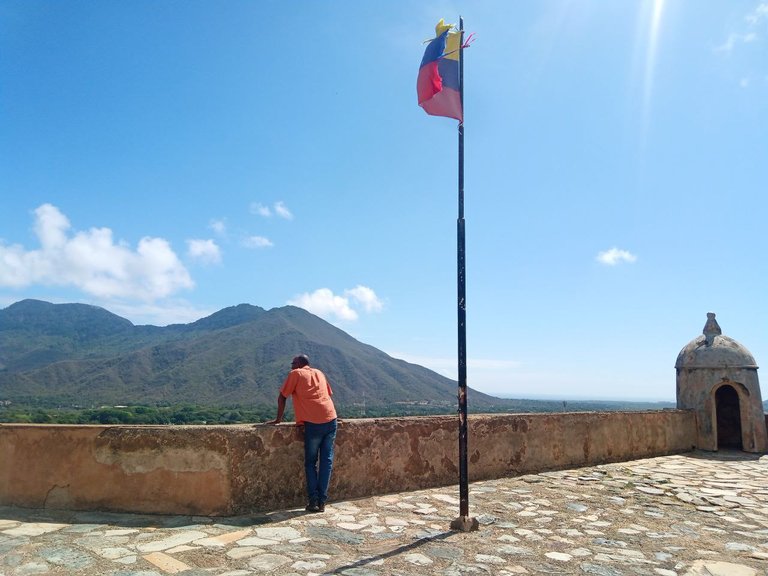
(230, 470)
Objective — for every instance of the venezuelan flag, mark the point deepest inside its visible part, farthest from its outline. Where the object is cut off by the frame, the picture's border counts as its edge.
(438, 83)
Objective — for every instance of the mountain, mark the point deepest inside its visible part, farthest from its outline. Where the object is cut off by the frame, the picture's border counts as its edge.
(83, 355)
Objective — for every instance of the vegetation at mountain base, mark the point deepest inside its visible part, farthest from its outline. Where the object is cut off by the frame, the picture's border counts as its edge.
(34, 413)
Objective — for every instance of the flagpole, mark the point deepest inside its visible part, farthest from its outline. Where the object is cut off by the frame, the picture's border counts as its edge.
(463, 522)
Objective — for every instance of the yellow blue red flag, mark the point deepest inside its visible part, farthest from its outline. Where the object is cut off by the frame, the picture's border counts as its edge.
(438, 82)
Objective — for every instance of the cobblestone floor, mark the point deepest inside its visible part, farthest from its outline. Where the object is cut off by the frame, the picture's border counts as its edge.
(696, 514)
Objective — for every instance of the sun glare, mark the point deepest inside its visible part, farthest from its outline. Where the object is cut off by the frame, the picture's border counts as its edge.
(650, 60)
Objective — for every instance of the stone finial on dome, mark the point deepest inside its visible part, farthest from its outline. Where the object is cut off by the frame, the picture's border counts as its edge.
(711, 329)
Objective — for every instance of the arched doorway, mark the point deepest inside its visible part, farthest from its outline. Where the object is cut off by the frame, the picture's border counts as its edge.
(728, 418)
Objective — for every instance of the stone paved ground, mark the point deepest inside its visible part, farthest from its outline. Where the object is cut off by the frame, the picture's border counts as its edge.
(697, 514)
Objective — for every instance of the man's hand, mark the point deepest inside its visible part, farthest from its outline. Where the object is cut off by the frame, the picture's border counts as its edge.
(280, 410)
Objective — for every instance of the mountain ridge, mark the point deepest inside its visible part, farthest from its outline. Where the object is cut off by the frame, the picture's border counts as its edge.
(78, 353)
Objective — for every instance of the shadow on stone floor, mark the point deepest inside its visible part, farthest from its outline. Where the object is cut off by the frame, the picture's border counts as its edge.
(724, 455)
(366, 560)
(127, 520)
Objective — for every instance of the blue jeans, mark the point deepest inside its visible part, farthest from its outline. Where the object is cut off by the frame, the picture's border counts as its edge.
(318, 458)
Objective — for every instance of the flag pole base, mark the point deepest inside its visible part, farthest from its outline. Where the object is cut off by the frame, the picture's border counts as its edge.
(465, 524)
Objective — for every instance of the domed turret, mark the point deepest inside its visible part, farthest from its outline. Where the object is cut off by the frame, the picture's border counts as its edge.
(717, 377)
(713, 350)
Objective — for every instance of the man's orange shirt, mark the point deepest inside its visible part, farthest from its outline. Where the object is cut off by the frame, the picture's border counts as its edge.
(311, 395)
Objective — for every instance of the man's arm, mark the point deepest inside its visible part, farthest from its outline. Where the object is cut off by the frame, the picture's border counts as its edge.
(280, 410)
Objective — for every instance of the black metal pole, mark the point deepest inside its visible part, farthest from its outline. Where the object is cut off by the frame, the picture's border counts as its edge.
(463, 522)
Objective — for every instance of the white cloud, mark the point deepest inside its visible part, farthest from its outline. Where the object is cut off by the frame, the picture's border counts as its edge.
(260, 210)
(754, 19)
(282, 211)
(218, 225)
(732, 40)
(206, 251)
(758, 14)
(615, 256)
(278, 208)
(92, 262)
(366, 297)
(257, 242)
(726, 46)
(324, 303)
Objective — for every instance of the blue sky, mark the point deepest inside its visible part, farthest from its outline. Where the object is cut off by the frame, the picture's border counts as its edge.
(167, 159)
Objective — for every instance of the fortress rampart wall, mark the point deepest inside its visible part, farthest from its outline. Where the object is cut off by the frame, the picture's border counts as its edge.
(232, 470)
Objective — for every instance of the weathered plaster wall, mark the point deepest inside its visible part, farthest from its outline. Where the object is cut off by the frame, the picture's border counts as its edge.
(144, 469)
(228, 470)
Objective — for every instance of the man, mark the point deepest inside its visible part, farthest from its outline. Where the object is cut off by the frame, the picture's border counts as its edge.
(314, 409)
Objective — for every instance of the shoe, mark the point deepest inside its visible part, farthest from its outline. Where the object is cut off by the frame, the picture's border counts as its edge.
(313, 507)
(321, 507)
